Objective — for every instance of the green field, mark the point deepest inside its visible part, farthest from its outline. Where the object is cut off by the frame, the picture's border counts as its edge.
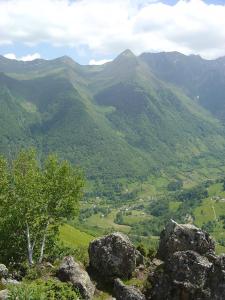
(72, 237)
(210, 212)
(106, 222)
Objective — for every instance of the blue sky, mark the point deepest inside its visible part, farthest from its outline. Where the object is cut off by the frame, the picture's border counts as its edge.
(95, 31)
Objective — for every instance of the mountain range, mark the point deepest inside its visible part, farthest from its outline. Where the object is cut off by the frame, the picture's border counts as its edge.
(129, 118)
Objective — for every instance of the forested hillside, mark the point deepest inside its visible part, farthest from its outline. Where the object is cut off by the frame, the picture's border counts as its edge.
(128, 118)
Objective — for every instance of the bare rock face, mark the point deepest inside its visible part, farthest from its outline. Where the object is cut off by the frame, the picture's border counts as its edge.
(70, 271)
(182, 237)
(113, 256)
(123, 292)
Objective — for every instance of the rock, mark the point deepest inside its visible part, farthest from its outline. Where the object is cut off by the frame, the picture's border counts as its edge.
(123, 292)
(9, 281)
(3, 271)
(113, 256)
(140, 260)
(3, 295)
(182, 237)
(190, 269)
(184, 276)
(217, 279)
(70, 271)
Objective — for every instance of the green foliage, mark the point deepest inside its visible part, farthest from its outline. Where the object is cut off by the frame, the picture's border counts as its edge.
(35, 200)
(159, 208)
(151, 253)
(141, 249)
(194, 194)
(175, 185)
(119, 218)
(222, 242)
(148, 228)
(209, 226)
(42, 290)
(120, 110)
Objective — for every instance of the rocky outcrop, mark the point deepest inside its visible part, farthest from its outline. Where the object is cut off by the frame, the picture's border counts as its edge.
(113, 256)
(70, 271)
(182, 237)
(123, 292)
(184, 276)
(190, 270)
(217, 279)
(3, 271)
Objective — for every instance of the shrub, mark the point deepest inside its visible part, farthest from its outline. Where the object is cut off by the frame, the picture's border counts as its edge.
(43, 290)
(141, 249)
(151, 253)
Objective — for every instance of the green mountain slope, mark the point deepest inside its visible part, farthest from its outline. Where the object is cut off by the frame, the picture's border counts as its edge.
(118, 120)
(154, 116)
(202, 80)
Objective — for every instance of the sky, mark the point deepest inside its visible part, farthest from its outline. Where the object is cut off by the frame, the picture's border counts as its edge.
(96, 31)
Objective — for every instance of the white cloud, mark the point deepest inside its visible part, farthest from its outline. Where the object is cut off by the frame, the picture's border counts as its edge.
(108, 27)
(28, 57)
(99, 62)
(10, 56)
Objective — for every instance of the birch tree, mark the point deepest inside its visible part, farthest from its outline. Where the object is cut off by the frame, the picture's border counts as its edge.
(35, 200)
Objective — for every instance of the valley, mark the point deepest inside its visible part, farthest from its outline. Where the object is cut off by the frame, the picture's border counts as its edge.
(147, 131)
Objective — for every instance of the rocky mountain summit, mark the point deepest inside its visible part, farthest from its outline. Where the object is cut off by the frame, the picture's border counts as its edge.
(185, 267)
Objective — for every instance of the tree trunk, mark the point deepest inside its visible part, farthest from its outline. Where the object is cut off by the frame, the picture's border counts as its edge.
(29, 247)
(43, 244)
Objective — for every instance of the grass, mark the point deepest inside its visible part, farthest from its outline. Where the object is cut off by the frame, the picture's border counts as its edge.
(107, 222)
(72, 237)
(174, 205)
(135, 217)
(210, 210)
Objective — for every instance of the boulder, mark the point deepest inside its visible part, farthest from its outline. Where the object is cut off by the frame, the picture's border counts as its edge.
(70, 271)
(123, 292)
(182, 237)
(190, 269)
(3, 295)
(217, 278)
(3, 271)
(112, 256)
(185, 276)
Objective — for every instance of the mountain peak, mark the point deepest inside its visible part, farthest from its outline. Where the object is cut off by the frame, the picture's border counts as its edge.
(65, 59)
(127, 53)
(126, 56)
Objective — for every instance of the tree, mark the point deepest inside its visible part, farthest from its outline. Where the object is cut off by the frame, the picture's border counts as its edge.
(175, 185)
(35, 200)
